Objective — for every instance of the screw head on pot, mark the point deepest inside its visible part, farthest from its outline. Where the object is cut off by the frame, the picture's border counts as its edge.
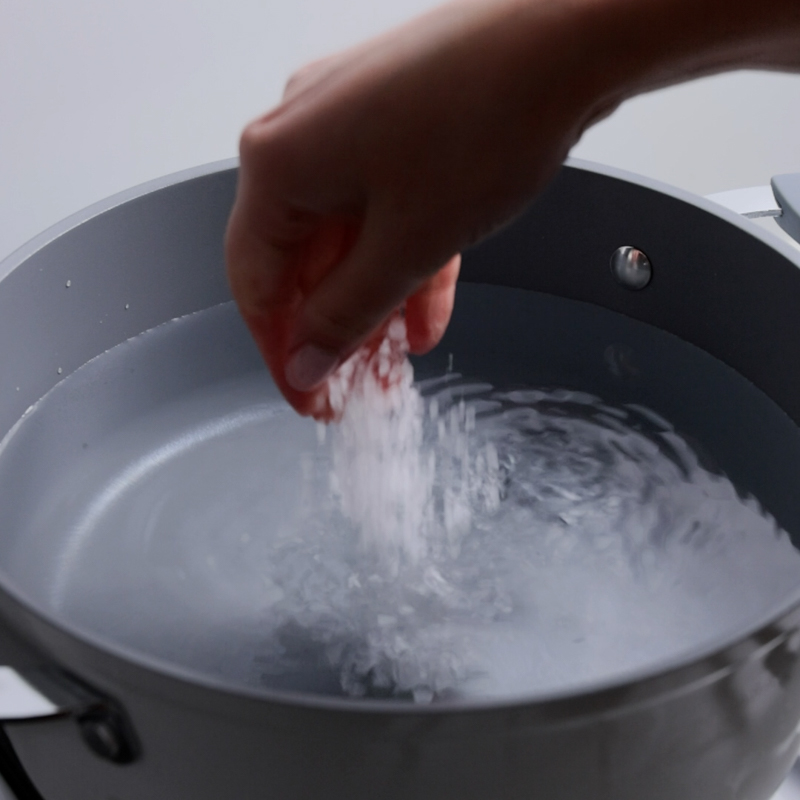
(631, 267)
(108, 735)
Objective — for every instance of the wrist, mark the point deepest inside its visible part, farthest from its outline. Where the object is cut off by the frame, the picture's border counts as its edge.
(638, 45)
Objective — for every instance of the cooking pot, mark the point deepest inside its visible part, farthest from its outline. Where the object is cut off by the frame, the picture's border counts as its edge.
(594, 275)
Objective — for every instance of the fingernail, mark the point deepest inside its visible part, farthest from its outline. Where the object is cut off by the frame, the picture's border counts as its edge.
(309, 366)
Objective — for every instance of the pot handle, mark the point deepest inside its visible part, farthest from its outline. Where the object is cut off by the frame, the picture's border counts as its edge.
(47, 692)
(781, 200)
(787, 193)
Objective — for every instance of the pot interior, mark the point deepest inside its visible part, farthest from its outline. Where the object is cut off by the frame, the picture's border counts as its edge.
(158, 502)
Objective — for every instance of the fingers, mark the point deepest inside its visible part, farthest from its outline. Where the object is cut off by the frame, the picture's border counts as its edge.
(348, 304)
(271, 269)
(311, 290)
(358, 295)
(429, 309)
(261, 247)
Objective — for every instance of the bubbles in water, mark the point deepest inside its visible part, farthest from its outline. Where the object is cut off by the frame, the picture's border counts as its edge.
(474, 542)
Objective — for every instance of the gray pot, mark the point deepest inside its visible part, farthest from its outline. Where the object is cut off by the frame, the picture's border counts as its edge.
(718, 725)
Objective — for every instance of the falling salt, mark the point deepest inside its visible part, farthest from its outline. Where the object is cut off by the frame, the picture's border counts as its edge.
(407, 497)
(380, 475)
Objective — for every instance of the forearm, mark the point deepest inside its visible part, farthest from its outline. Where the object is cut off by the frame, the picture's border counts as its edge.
(639, 45)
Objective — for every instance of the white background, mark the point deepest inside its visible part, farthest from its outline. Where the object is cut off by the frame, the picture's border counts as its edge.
(99, 95)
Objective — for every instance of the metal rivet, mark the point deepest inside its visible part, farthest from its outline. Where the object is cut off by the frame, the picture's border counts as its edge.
(108, 735)
(631, 267)
(102, 738)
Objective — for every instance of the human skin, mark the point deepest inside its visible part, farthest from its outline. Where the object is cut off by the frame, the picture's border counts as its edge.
(382, 163)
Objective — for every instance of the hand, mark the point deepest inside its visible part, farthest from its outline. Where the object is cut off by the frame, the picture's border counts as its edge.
(381, 164)
(357, 193)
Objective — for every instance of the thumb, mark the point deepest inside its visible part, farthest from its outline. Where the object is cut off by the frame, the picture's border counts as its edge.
(354, 299)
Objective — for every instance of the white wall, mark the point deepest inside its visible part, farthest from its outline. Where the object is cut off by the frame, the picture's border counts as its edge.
(707, 136)
(96, 96)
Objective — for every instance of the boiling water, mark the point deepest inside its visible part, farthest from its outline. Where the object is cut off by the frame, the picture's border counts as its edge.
(497, 542)
(490, 543)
